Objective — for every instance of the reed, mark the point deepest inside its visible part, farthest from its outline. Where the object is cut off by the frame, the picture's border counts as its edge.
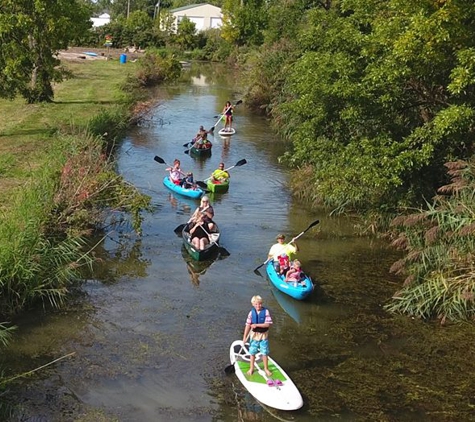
(439, 247)
(34, 265)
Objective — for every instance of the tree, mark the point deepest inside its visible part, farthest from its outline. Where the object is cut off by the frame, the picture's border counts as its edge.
(381, 97)
(244, 21)
(31, 33)
(186, 34)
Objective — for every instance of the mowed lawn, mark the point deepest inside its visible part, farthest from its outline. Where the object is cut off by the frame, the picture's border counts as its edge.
(26, 130)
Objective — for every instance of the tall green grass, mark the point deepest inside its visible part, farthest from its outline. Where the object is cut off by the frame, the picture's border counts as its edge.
(33, 264)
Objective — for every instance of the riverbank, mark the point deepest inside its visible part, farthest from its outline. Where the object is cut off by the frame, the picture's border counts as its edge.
(26, 130)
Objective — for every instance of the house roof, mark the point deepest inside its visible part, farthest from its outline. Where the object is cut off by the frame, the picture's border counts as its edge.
(191, 6)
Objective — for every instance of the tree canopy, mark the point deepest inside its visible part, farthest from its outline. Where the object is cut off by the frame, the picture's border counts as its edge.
(380, 97)
(31, 33)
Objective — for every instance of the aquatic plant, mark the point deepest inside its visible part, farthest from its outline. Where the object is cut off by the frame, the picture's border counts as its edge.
(439, 245)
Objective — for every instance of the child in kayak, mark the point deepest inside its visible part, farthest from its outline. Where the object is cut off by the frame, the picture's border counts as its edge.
(294, 274)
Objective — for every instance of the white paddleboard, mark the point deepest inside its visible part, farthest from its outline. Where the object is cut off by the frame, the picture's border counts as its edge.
(281, 394)
(227, 132)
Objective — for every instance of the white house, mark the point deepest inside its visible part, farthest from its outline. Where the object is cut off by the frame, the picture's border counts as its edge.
(101, 20)
(204, 16)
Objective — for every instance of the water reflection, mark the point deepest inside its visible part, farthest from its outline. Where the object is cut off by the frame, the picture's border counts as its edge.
(198, 268)
(124, 256)
(292, 307)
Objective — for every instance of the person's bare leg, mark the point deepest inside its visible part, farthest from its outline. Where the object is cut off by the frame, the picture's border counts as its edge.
(251, 365)
(266, 365)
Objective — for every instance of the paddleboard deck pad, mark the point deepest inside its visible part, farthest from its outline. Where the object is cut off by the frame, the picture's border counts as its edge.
(277, 391)
(227, 132)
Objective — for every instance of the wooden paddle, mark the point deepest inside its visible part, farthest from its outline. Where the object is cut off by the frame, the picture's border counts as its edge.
(293, 240)
(203, 185)
(225, 111)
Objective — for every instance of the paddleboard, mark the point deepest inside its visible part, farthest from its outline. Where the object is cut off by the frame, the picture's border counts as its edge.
(227, 132)
(90, 53)
(277, 391)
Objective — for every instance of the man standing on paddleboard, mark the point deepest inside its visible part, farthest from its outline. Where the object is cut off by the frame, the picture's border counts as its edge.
(258, 322)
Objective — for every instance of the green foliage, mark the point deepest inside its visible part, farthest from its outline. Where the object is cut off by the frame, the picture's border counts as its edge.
(439, 245)
(213, 46)
(186, 37)
(156, 67)
(265, 72)
(34, 266)
(379, 99)
(284, 19)
(244, 22)
(42, 244)
(5, 333)
(31, 33)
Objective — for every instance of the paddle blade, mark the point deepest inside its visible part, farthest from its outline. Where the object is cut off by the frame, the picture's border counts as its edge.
(159, 159)
(238, 102)
(211, 130)
(230, 369)
(257, 272)
(185, 145)
(223, 251)
(240, 163)
(187, 151)
(180, 228)
(312, 225)
(201, 184)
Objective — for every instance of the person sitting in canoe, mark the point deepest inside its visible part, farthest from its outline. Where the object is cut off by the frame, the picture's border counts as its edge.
(281, 248)
(220, 175)
(206, 212)
(202, 144)
(199, 233)
(176, 172)
(201, 138)
(294, 274)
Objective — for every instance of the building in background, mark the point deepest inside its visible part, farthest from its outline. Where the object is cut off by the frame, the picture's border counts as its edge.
(100, 20)
(204, 16)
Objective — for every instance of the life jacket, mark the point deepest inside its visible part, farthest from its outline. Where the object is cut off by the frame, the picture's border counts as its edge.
(259, 319)
(284, 260)
(296, 276)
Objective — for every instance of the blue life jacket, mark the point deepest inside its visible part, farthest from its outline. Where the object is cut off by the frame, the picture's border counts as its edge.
(259, 319)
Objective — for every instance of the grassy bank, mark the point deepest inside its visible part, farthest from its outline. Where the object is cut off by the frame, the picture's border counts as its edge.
(56, 179)
(27, 131)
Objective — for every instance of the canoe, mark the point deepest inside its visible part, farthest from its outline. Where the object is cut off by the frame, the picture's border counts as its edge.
(190, 193)
(216, 186)
(281, 394)
(227, 132)
(201, 152)
(299, 292)
(211, 250)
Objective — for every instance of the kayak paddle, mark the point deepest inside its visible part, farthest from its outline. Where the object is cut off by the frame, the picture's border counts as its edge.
(293, 240)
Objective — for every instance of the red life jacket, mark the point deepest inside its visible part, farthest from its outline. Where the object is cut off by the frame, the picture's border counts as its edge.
(284, 261)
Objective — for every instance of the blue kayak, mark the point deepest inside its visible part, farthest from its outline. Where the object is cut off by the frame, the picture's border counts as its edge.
(299, 292)
(190, 193)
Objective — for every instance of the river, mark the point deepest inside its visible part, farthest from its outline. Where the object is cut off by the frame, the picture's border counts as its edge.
(151, 332)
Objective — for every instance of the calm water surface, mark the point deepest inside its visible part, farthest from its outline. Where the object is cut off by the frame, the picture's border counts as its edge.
(152, 331)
